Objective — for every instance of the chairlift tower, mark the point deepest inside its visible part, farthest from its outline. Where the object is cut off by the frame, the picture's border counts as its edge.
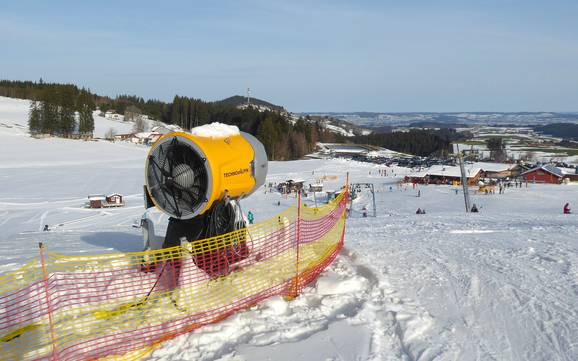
(464, 181)
(356, 187)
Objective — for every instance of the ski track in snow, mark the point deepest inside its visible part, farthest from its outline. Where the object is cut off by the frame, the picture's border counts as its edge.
(498, 285)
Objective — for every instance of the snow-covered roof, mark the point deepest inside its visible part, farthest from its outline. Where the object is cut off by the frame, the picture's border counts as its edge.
(548, 168)
(215, 130)
(448, 171)
(343, 148)
(144, 135)
(493, 167)
(349, 150)
(385, 153)
(336, 129)
(566, 171)
(96, 197)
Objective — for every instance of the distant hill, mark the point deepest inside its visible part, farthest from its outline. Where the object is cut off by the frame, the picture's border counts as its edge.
(238, 100)
(561, 130)
(453, 119)
(441, 125)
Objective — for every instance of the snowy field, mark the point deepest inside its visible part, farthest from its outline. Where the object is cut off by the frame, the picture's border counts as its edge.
(498, 285)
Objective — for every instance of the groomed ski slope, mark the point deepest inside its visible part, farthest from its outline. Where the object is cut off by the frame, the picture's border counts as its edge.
(498, 285)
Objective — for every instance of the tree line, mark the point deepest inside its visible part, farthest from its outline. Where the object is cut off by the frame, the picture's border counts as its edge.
(53, 106)
(561, 130)
(422, 142)
(282, 137)
(58, 111)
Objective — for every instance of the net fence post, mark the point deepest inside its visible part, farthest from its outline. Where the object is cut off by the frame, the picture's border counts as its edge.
(42, 251)
(298, 244)
(345, 210)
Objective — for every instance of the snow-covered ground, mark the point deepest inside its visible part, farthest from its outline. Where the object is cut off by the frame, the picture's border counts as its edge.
(498, 285)
(14, 115)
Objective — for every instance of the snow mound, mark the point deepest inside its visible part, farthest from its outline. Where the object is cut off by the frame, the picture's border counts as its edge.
(215, 130)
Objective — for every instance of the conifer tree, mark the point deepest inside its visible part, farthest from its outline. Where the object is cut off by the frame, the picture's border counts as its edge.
(34, 118)
(86, 121)
(267, 134)
(65, 113)
(48, 112)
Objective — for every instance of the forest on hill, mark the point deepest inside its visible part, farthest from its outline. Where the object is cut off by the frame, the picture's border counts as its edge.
(237, 100)
(561, 130)
(422, 142)
(54, 105)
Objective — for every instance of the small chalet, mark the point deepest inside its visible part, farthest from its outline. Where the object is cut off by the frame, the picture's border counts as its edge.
(570, 174)
(96, 200)
(316, 188)
(145, 137)
(115, 199)
(103, 201)
(442, 174)
(551, 174)
(544, 174)
(123, 137)
(291, 185)
(496, 170)
(112, 114)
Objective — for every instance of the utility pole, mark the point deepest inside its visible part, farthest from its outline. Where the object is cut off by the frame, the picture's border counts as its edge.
(464, 181)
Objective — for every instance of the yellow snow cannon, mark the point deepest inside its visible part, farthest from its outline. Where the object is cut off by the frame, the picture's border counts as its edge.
(187, 173)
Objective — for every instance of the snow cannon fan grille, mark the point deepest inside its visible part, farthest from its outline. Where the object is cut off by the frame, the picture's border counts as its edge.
(177, 178)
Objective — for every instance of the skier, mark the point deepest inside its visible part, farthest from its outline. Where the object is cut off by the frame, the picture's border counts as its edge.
(250, 217)
(475, 209)
(418, 211)
(419, 193)
(567, 208)
(45, 228)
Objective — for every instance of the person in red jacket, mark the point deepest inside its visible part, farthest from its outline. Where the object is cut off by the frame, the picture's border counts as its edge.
(567, 208)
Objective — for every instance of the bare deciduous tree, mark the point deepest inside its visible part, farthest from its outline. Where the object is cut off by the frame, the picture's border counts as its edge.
(140, 125)
(110, 133)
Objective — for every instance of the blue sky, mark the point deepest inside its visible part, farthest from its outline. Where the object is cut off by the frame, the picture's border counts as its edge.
(389, 56)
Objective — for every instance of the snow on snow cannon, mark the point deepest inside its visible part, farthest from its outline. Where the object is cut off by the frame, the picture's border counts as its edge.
(198, 180)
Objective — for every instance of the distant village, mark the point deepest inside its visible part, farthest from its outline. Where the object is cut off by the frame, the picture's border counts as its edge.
(431, 170)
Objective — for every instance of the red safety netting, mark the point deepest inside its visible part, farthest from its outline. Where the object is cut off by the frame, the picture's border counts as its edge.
(121, 306)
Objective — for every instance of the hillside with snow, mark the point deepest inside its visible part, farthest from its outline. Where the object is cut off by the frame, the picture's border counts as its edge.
(498, 285)
(14, 115)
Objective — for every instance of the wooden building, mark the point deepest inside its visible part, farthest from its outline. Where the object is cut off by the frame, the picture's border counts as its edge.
(114, 200)
(103, 201)
(544, 174)
(96, 200)
(441, 174)
(291, 185)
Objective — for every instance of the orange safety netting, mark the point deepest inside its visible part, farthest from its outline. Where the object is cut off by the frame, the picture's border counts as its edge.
(122, 306)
